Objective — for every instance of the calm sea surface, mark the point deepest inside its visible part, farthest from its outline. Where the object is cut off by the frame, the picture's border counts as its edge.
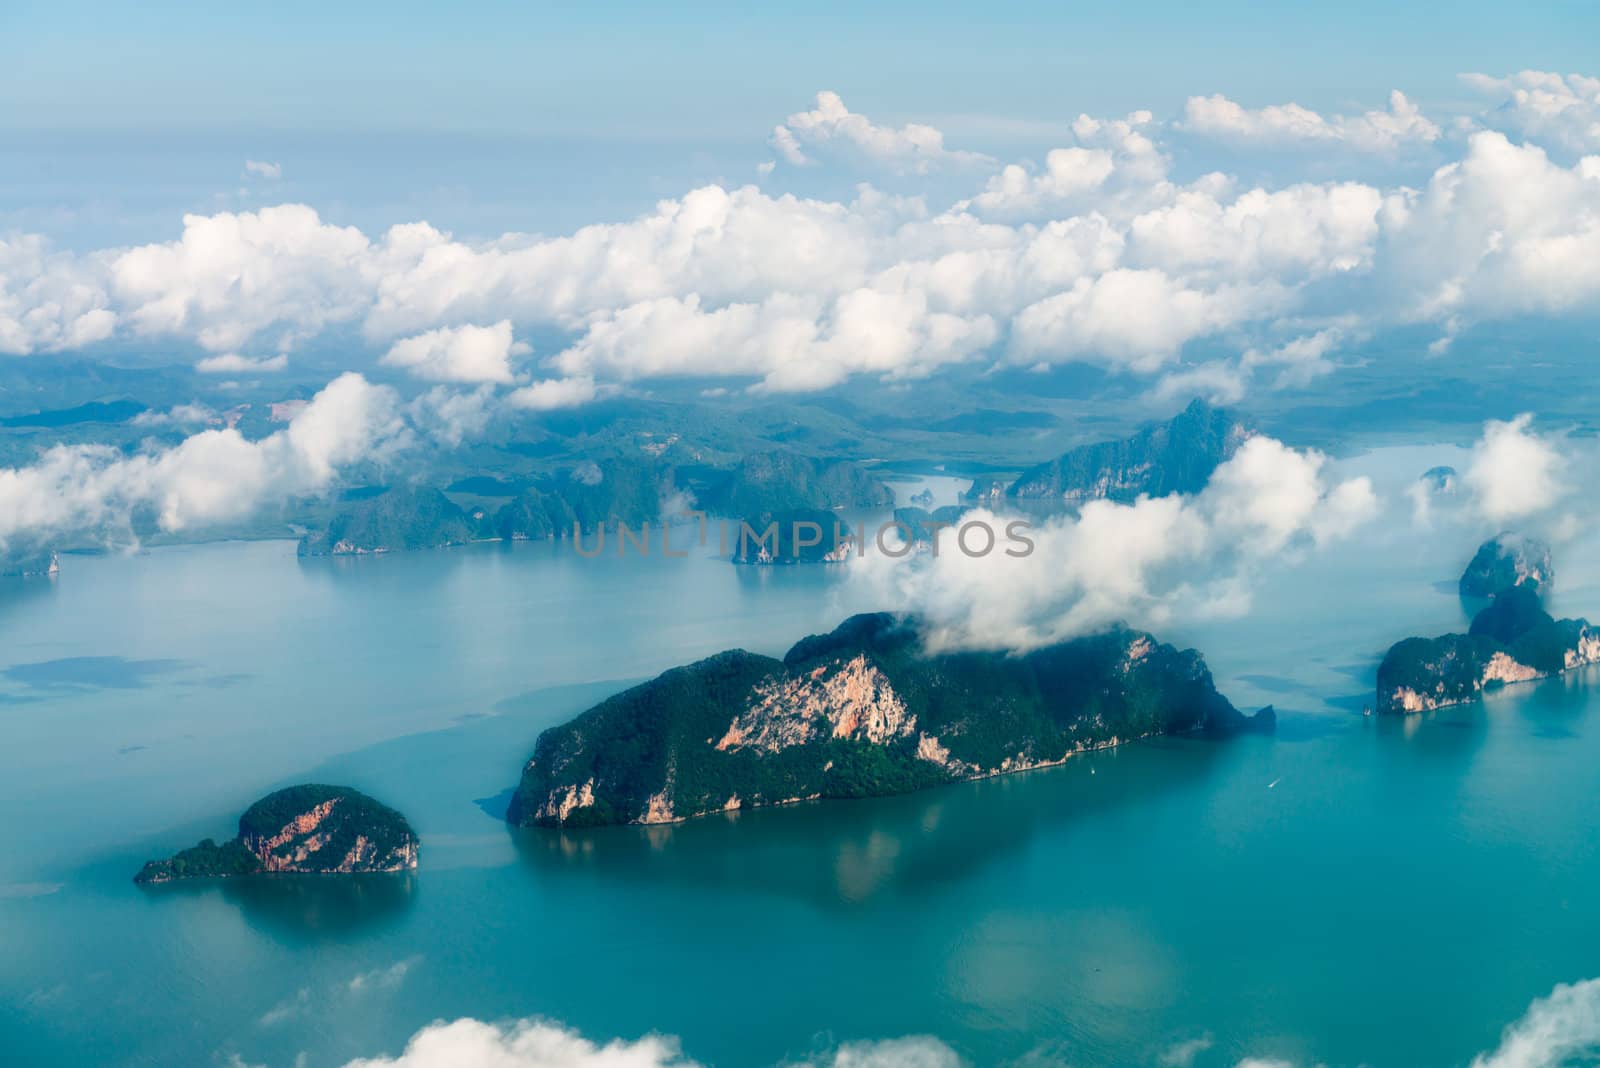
(1352, 891)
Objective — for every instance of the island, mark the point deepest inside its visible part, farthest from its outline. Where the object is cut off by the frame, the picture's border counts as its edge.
(1504, 561)
(1177, 456)
(795, 536)
(310, 829)
(394, 520)
(862, 711)
(1513, 639)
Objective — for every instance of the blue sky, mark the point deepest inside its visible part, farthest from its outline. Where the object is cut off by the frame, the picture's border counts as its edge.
(714, 71)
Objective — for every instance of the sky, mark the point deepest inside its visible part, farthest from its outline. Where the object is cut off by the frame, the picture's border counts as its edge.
(524, 208)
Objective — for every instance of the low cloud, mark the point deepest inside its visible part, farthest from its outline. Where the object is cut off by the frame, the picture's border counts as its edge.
(459, 354)
(213, 476)
(1559, 110)
(554, 393)
(1514, 474)
(1144, 563)
(1563, 1028)
(231, 363)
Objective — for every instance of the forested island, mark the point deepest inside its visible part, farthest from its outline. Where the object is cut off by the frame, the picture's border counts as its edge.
(1512, 639)
(310, 829)
(858, 712)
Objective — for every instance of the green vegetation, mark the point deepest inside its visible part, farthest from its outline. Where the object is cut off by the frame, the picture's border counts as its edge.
(1512, 639)
(780, 481)
(208, 860)
(1177, 456)
(312, 828)
(394, 520)
(861, 711)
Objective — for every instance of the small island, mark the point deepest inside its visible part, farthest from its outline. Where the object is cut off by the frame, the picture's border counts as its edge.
(1513, 639)
(311, 829)
(859, 712)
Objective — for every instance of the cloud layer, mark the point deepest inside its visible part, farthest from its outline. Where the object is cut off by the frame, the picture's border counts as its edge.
(1101, 251)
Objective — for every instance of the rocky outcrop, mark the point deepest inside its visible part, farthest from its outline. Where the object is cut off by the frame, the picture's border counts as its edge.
(1504, 561)
(311, 829)
(863, 710)
(20, 560)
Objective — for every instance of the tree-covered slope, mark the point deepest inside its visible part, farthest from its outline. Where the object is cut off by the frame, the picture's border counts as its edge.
(861, 711)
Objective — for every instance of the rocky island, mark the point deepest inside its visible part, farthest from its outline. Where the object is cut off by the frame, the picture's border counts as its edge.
(862, 711)
(1504, 561)
(310, 829)
(1511, 640)
(393, 521)
(1177, 456)
(28, 560)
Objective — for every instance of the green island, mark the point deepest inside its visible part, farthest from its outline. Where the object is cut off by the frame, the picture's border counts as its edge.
(862, 711)
(1504, 561)
(310, 829)
(1512, 639)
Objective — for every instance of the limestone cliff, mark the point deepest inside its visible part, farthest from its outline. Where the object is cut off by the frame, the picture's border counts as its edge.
(307, 829)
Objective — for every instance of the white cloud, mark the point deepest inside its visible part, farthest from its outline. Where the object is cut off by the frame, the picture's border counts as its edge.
(913, 148)
(1561, 110)
(1287, 124)
(1513, 474)
(231, 363)
(1143, 563)
(1097, 255)
(209, 477)
(553, 393)
(450, 416)
(469, 1043)
(262, 169)
(383, 978)
(459, 353)
(1563, 1028)
(48, 300)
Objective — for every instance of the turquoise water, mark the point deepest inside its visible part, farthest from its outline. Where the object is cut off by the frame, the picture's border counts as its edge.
(1352, 891)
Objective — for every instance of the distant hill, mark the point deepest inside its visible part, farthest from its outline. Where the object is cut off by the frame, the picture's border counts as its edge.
(1177, 456)
(780, 480)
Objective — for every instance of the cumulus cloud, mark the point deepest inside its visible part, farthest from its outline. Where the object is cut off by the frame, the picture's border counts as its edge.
(49, 300)
(1377, 130)
(459, 354)
(553, 393)
(1098, 253)
(1563, 1028)
(212, 476)
(913, 148)
(1143, 563)
(262, 169)
(231, 363)
(1561, 110)
(469, 1043)
(1513, 473)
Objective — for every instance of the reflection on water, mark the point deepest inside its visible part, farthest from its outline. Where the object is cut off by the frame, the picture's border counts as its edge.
(840, 854)
(303, 909)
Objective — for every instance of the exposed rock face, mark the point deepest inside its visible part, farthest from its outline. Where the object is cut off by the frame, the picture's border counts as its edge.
(863, 710)
(1504, 561)
(1512, 640)
(1177, 456)
(309, 829)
